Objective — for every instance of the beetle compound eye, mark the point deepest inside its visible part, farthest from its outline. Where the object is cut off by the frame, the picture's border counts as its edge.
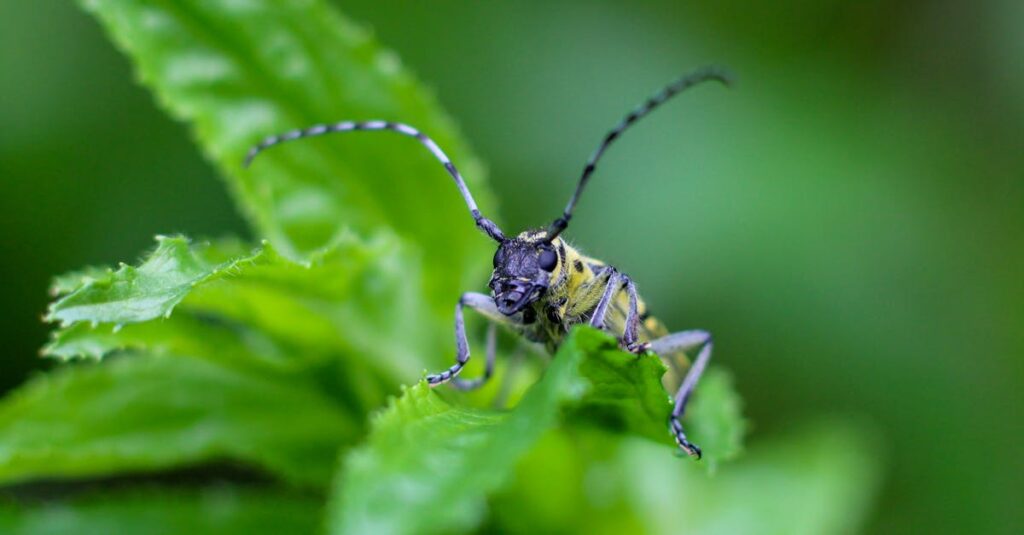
(497, 258)
(547, 260)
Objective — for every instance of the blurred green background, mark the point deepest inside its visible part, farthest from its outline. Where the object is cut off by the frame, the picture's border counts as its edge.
(847, 221)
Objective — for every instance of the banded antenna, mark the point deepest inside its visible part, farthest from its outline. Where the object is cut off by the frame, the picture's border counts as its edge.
(701, 75)
(484, 224)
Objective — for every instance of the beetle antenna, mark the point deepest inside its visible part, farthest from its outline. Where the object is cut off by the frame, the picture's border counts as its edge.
(704, 74)
(484, 224)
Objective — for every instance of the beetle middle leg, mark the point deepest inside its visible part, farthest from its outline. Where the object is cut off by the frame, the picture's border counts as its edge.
(617, 282)
(483, 304)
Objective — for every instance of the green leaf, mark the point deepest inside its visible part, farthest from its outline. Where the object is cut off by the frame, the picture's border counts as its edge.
(714, 418)
(349, 299)
(350, 317)
(151, 413)
(131, 294)
(149, 511)
(239, 71)
(626, 391)
(429, 465)
(364, 300)
(570, 482)
(184, 333)
(69, 282)
(626, 395)
(820, 479)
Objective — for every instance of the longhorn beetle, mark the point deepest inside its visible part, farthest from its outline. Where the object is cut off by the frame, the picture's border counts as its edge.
(541, 286)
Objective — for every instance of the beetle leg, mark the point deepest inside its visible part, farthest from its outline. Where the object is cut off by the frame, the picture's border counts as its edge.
(472, 384)
(601, 310)
(483, 304)
(685, 341)
(629, 333)
(617, 282)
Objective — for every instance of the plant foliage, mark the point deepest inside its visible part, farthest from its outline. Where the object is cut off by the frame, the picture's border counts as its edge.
(267, 358)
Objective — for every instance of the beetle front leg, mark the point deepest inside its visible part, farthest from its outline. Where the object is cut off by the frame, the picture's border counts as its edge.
(483, 304)
(492, 348)
(685, 341)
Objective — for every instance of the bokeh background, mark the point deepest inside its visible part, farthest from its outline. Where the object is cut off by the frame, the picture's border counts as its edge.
(847, 221)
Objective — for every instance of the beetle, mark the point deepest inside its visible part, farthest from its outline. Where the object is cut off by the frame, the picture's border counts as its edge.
(541, 286)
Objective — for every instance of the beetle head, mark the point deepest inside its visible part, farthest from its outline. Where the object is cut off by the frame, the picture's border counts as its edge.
(522, 271)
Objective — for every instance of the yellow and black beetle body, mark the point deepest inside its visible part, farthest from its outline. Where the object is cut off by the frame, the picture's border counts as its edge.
(570, 292)
(570, 288)
(541, 286)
